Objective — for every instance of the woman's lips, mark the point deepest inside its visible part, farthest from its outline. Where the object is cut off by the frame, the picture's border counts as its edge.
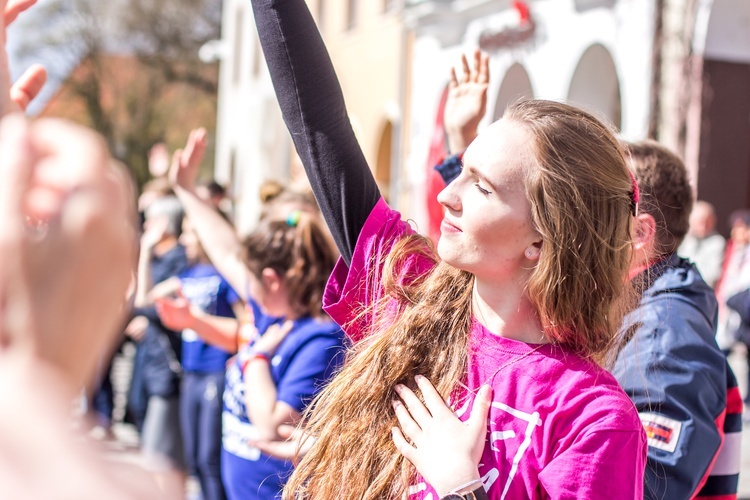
(447, 227)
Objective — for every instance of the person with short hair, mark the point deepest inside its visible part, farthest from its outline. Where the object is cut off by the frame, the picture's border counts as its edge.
(154, 391)
(702, 244)
(735, 278)
(733, 292)
(671, 367)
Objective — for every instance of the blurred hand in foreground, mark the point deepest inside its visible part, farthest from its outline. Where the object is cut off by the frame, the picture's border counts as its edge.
(67, 244)
(67, 252)
(293, 445)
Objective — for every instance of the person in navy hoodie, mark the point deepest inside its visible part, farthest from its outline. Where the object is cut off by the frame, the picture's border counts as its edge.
(671, 367)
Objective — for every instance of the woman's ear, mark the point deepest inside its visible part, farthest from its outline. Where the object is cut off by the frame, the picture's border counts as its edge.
(271, 280)
(533, 251)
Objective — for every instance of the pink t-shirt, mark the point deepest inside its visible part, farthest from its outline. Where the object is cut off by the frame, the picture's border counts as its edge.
(559, 427)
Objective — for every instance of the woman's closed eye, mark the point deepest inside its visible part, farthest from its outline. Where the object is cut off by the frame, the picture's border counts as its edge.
(481, 189)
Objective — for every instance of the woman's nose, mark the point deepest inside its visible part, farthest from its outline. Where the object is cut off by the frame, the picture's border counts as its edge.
(450, 198)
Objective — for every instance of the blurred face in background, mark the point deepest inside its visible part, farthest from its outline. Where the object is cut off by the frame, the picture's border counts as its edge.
(190, 241)
(740, 233)
(702, 221)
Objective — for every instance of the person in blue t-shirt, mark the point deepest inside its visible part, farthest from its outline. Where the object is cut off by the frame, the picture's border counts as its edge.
(203, 365)
(288, 348)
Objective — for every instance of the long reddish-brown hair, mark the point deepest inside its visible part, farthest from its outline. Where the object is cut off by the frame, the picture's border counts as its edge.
(581, 197)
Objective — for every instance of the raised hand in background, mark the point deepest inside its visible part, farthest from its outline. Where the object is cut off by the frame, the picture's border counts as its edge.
(17, 96)
(186, 162)
(467, 101)
(217, 236)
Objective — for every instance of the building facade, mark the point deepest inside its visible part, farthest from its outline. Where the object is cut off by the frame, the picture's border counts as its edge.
(674, 70)
(365, 39)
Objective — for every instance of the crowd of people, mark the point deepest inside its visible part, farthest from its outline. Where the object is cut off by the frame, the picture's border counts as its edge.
(553, 344)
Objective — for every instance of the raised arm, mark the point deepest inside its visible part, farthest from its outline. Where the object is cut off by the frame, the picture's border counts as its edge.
(464, 109)
(314, 111)
(218, 238)
(264, 408)
(467, 101)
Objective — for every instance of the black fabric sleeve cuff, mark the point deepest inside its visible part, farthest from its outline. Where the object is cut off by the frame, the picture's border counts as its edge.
(450, 167)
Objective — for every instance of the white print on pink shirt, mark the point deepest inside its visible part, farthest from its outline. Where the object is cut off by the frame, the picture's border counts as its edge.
(531, 422)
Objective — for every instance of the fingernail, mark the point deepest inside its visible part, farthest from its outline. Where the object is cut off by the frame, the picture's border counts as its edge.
(399, 388)
(418, 378)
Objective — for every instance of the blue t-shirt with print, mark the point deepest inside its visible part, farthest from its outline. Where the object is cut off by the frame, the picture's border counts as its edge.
(205, 288)
(304, 362)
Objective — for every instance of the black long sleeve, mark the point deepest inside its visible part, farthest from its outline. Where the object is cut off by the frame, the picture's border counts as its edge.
(315, 114)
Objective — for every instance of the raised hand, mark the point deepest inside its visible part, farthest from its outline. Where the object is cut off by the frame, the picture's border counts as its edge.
(14, 7)
(467, 101)
(16, 97)
(445, 451)
(63, 281)
(187, 161)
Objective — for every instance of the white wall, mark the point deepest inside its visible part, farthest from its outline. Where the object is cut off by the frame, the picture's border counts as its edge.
(250, 126)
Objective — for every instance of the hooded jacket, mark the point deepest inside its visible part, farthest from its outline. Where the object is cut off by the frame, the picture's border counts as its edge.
(680, 383)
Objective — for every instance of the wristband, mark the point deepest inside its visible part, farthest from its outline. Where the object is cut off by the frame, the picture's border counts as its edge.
(477, 494)
(460, 493)
(256, 355)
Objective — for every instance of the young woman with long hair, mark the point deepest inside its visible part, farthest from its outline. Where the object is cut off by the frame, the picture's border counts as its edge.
(279, 270)
(524, 294)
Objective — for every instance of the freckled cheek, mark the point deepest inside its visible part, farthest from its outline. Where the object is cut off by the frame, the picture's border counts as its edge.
(502, 228)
